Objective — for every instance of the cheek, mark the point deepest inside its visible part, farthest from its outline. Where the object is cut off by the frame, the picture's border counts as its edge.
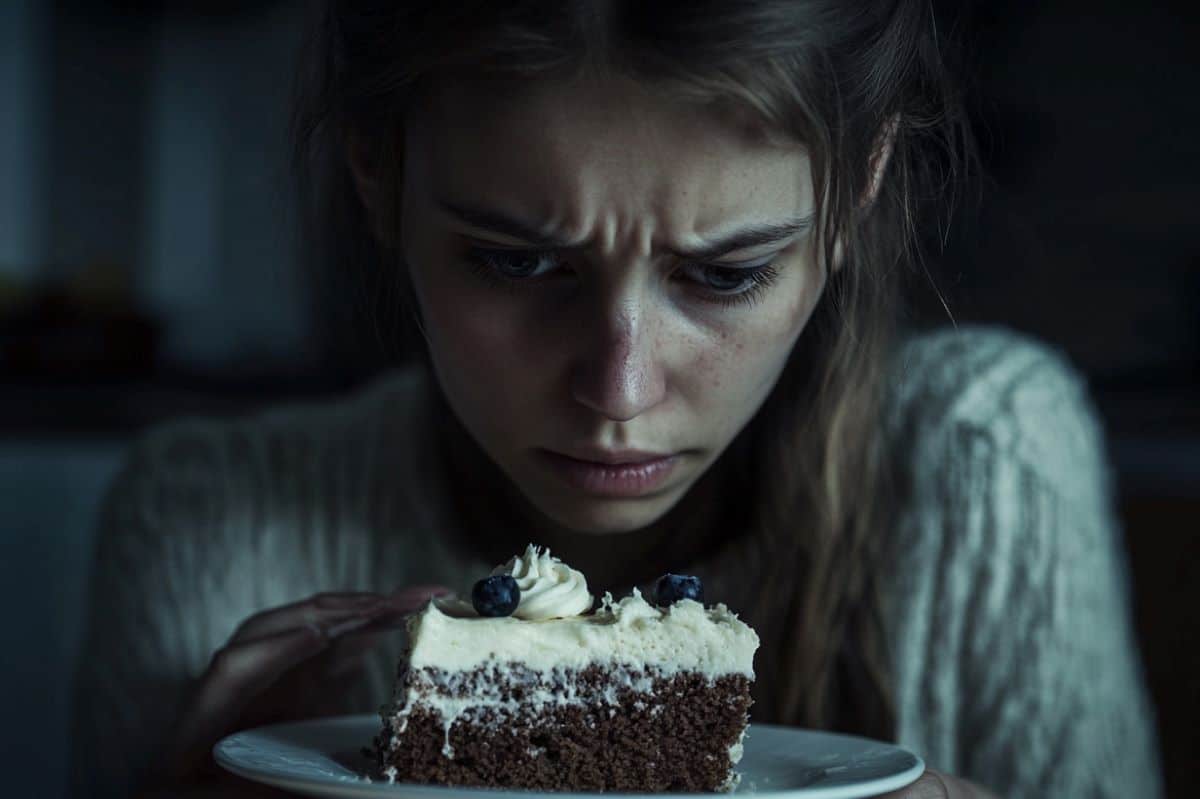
(480, 349)
(469, 330)
(723, 362)
(750, 351)
(461, 321)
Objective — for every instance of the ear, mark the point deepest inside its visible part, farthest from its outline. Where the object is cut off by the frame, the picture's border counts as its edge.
(881, 153)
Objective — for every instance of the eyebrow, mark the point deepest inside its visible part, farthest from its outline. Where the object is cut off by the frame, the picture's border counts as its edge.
(752, 235)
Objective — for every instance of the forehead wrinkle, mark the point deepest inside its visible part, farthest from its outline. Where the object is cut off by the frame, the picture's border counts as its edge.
(612, 181)
(608, 215)
(625, 217)
(589, 186)
(629, 228)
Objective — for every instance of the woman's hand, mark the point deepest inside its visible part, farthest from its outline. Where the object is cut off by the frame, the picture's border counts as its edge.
(935, 785)
(294, 661)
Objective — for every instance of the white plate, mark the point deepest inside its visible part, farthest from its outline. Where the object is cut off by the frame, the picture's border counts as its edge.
(322, 757)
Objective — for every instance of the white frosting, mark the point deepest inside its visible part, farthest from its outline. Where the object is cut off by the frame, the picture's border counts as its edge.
(683, 637)
(549, 587)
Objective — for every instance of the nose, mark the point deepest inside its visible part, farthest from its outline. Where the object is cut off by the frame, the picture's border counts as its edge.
(621, 376)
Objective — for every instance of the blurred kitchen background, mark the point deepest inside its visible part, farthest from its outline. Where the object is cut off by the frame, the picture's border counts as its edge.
(148, 269)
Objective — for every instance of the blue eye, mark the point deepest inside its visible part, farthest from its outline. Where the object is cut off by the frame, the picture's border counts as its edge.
(723, 285)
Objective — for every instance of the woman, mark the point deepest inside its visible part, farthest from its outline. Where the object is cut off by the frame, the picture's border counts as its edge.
(672, 229)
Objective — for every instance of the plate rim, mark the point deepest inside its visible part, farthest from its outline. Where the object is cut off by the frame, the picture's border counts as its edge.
(362, 787)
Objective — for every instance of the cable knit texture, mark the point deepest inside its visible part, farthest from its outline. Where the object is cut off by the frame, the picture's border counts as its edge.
(1007, 609)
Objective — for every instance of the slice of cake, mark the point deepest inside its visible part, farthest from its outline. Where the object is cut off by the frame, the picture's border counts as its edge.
(528, 687)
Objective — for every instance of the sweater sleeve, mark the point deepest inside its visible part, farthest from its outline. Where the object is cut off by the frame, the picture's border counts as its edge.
(212, 521)
(1031, 680)
(142, 643)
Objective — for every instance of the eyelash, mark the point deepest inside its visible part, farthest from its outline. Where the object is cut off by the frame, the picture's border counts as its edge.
(484, 263)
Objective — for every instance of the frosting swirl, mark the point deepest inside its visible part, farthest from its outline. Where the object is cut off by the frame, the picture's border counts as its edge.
(549, 588)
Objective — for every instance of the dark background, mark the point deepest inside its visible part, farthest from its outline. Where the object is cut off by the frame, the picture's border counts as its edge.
(148, 268)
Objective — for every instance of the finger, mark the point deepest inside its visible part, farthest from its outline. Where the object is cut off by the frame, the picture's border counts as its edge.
(351, 651)
(308, 692)
(407, 600)
(337, 600)
(348, 651)
(322, 609)
(312, 688)
(354, 641)
(245, 668)
(378, 620)
(319, 609)
(383, 620)
(350, 640)
(237, 673)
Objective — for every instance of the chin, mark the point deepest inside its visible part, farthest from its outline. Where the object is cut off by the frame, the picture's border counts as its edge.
(605, 516)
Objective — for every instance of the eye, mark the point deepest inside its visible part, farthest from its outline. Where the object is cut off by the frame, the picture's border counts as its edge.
(508, 264)
(736, 284)
(723, 285)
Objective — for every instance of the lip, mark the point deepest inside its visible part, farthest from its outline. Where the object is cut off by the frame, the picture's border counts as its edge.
(628, 478)
(613, 457)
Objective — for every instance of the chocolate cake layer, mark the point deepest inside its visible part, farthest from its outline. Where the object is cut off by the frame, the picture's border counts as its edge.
(599, 729)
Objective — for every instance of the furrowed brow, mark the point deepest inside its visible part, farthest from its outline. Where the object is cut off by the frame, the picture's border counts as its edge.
(496, 221)
(754, 235)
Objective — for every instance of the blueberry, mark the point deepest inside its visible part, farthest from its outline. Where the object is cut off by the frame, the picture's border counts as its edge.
(673, 587)
(497, 595)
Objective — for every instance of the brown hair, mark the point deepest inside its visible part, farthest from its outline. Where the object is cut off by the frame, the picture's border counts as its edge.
(810, 469)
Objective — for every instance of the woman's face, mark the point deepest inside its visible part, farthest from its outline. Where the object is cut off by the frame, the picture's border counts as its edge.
(592, 320)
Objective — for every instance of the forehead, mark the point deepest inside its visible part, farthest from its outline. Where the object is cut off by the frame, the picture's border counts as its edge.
(566, 151)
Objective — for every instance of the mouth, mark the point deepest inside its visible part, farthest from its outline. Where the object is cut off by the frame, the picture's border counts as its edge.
(613, 457)
(628, 473)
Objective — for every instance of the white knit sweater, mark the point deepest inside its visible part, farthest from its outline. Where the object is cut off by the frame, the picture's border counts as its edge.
(1008, 613)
